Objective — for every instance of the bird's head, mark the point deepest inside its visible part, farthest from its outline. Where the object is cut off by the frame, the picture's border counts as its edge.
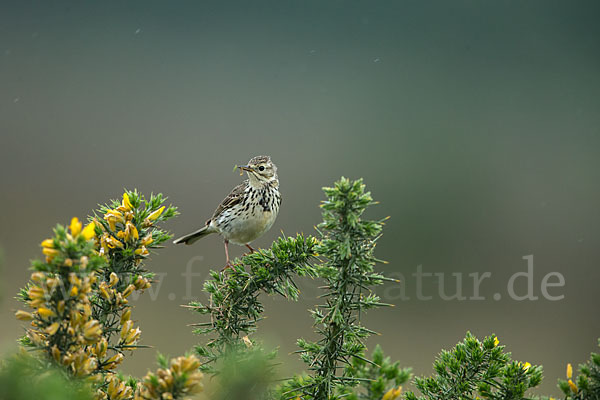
(261, 170)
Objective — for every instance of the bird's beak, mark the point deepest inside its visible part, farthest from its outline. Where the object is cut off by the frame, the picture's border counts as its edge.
(245, 168)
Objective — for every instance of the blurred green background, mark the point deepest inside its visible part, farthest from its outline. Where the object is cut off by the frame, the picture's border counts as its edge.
(475, 124)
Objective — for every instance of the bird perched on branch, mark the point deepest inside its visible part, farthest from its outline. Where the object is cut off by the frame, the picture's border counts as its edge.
(248, 211)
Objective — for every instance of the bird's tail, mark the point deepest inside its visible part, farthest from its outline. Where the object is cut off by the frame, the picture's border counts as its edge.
(194, 236)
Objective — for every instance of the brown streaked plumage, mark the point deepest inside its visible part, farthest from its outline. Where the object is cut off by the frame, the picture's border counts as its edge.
(248, 211)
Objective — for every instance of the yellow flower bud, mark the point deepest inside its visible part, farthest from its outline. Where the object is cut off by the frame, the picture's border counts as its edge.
(190, 363)
(147, 240)
(141, 283)
(104, 292)
(128, 290)
(23, 315)
(496, 341)
(569, 371)
(55, 353)
(392, 393)
(46, 312)
(52, 283)
(126, 202)
(142, 251)
(156, 214)
(526, 366)
(89, 231)
(126, 316)
(132, 336)
(113, 280)
(113, 361)
(573, 386)
(48, 243)
(74, 291)
(100, 348)
(92, 330)
(126, 328)
(37, 276)
(34, 303)
(35, 292)
(52, 329)
(50, 252)
(75, 227)
(60, 307)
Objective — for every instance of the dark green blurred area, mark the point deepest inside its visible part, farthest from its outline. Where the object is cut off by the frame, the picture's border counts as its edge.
(21, 378)
(475, 124)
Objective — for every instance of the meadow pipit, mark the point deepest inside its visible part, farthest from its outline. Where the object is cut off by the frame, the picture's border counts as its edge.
(248, 211)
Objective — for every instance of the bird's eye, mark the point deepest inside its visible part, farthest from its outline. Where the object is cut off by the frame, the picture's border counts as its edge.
(261, 168)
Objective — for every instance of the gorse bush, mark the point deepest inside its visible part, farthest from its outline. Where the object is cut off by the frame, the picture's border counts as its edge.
(81, 317)
(346, 246)
(475, 369)
(234, 307)
(81, 327)
(587, 384)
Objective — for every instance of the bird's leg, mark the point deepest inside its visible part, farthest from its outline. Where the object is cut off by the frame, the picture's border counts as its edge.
(250, 248)
(228, 263)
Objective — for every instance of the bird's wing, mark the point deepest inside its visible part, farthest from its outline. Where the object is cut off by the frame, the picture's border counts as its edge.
(233, 198)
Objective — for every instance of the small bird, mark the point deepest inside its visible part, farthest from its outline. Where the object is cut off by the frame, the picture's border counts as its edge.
(248, 211)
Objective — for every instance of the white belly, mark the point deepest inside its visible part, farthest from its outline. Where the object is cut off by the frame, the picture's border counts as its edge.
(244, 229)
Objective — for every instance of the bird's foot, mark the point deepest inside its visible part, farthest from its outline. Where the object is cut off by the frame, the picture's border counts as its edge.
(227, 266)
(249, 248)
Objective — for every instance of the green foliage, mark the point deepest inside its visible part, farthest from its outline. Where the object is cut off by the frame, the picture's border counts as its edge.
(234, 307)
(377, 377)
(347, 246)
(24, 378)
(587, 383)
(474, 368)
(247, 375)
(80, 319)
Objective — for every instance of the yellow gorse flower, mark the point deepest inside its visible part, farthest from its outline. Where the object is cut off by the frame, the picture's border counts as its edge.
(113, 361)
(126, 316)
(113, 217)
(23, 315)
(141, 251)
(393, 393)
(88, 350)
(128, 290)
(52, 329)
(126, 203)
(46, 312)
(156, 214)
(92, 330)
(496, 341)
(569, 371)
(75, 227)
(89, 231)
(526, 366)
(573, 386)
(163, 384)
(113, 279)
